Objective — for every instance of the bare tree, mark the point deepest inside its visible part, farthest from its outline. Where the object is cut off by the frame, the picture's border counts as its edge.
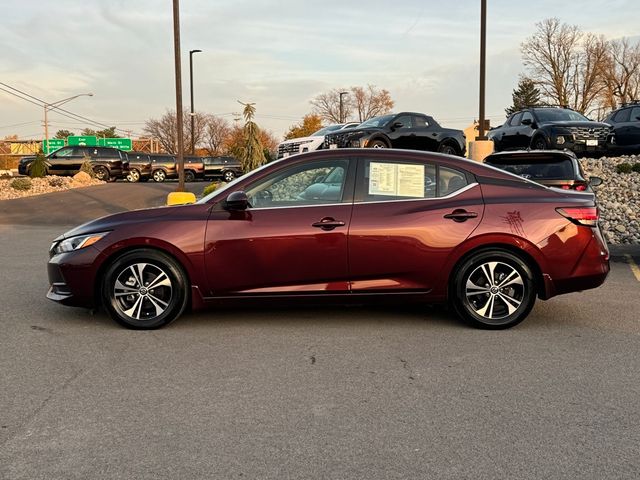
(551, 55)
(621, 73)
(327, 105)
(367, 102)
(587, 78)
(165, 129)
(216, 135)
(370, 102)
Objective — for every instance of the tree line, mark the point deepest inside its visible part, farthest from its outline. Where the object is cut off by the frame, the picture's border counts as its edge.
(567, 66)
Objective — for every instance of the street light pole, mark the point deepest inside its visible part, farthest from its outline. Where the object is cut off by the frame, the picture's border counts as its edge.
(49, 106)
(179, 123)
(483, 57)
(341, 108)
(193, 145)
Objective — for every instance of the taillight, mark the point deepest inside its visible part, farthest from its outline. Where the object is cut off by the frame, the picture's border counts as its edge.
(580, 187)
(565, 187)
(581, 215)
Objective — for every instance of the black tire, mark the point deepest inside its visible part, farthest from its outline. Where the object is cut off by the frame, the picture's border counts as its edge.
(448, 149)
(145, 308)
(189, 176)
(228, 175)
(488, 305)
(159, 175)
(539, 143)
(101, 173)
(377, 144)
(134, 175)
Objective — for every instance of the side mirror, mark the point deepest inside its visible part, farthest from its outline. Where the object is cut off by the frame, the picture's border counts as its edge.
(237, 201)
(397, 125)
(53, 155)
(595, 181)
(527, 121)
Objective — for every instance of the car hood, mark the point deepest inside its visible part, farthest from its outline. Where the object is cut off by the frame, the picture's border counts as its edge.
(303, 139)
(147, 215)
(28, 158)
(583, 124)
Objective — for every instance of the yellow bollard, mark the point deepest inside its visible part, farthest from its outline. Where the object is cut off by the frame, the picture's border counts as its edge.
(180, 198)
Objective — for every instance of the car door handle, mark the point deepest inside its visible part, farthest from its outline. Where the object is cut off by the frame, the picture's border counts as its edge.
(460, 215)
(328, 223)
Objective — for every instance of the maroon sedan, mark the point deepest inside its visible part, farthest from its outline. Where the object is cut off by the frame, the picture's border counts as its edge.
(341, 226)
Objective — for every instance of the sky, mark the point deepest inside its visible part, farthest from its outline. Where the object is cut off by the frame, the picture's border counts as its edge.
(278, 54)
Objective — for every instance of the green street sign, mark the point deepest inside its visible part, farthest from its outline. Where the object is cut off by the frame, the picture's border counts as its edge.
(53, 145)
(122, 143)
(83, 141)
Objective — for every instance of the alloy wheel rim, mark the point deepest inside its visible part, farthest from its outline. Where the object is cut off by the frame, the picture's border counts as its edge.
(142, 291)
(378, 145)
(228, 176)
(158, 176)
(135, 176)
(494, 291)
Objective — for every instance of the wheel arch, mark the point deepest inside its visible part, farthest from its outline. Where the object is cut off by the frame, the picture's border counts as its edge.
(452, 142)
(108, 258)
(380, 136)
(527, 252)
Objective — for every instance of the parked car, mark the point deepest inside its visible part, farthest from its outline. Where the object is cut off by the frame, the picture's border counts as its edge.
(626, 126)
(542, 128)
(341, 226)
(163, 167)
(312, 142)
(139, 167)
(193, 168)
(226, 168)
(553, 168)
(406, 130)
(109, 164)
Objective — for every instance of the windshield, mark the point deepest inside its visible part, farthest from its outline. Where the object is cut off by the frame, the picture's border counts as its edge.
(376, 121)
(323, 131)
(559, 115)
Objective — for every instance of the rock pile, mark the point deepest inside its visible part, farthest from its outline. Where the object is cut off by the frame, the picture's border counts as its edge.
(48, 184)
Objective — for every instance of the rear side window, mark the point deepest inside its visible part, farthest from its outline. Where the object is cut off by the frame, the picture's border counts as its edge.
(399, 180)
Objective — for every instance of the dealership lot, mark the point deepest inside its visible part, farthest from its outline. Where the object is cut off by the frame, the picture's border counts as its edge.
(306, 393)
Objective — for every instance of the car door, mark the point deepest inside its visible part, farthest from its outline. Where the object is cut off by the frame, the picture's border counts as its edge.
(508, 137)
(523, 132)
(634, 126)
(427, 134)
(407, 218)
(622, 127)
(292, 239)
(65, 161)
(402, 137)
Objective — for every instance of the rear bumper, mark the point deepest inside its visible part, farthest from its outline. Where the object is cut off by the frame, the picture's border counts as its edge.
(590, 271)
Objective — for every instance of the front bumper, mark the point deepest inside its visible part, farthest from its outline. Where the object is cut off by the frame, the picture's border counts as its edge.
(72, 277)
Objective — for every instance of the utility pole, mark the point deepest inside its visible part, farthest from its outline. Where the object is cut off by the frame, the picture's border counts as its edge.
(193, 144)
(179, 122)
(50, 106)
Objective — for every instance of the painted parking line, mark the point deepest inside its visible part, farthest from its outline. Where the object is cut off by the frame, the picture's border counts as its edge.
(634, 267)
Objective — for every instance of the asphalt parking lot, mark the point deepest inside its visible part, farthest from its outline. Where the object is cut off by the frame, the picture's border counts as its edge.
(357, 393)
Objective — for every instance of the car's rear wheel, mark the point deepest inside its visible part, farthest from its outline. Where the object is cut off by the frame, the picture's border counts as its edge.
(189, 176)
(134, 175)
(447, 149)
(159, 176)
(539, 143)
(228, 176)
(101, 173)
(145, 289)
(493, 289)
(377, 144)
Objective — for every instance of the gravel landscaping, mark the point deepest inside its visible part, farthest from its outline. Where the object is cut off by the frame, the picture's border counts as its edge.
(618, 198)
(48, 184)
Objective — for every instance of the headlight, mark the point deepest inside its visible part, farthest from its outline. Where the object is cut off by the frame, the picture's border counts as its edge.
(559, 139)
(76, 243)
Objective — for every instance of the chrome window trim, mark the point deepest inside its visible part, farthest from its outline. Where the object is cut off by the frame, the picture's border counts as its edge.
(451, 195)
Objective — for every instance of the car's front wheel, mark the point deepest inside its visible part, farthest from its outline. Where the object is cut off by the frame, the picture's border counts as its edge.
(159, 176)
(377, 144)
(447, 149)
(539, 143)
(145, 289)
(493, 289)
(101, 173)
(134, 175)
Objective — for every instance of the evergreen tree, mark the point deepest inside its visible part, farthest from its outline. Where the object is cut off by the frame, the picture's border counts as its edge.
(524, 95)
(251, 153)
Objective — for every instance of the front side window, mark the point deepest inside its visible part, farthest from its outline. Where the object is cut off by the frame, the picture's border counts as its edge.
(623, 115)
(515, 120)
(314, 183)
(405, 120)
(64, 152)
(635, 114)
(527, 116)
